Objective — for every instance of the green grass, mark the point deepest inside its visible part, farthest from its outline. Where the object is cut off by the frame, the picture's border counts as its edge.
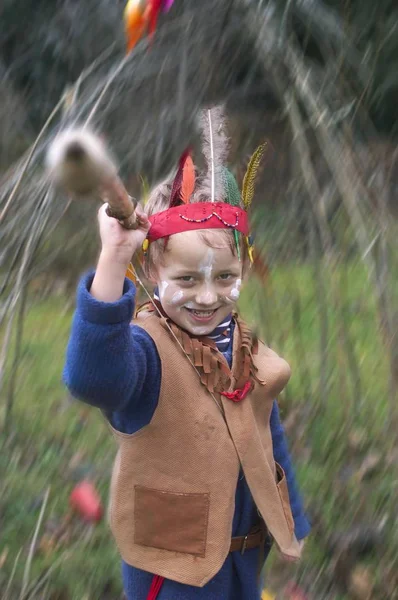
(49, 432)
(55, 442)
(288, 316)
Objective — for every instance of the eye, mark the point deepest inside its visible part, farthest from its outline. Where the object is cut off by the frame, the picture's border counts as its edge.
(186, 278)
(225, 276)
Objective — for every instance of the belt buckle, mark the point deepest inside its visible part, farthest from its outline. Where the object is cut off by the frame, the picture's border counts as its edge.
(244, 545)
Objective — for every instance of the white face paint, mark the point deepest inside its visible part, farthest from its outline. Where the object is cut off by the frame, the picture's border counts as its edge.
(207, 295)
(177, 297)
(198, 285)
(163, 285)
(206, 266)
(199, 330)
(235, 292)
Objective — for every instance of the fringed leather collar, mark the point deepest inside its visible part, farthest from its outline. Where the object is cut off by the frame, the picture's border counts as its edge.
(215, 373)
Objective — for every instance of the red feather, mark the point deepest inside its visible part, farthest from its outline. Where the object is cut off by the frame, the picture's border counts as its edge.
(188, 180)
(175, 196)
(156, 7)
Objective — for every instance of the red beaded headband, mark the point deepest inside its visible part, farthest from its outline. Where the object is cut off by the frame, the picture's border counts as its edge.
(199, 215)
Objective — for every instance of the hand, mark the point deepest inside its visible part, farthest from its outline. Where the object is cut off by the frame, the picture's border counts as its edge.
(118, 247)
(288, 558)
(119, 243)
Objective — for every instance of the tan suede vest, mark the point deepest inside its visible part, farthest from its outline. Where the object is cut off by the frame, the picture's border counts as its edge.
(174, 481)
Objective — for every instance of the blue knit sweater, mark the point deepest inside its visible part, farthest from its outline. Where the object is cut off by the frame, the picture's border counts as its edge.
(115, 366)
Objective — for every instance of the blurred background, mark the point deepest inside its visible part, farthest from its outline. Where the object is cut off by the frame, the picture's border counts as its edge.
(318, 81)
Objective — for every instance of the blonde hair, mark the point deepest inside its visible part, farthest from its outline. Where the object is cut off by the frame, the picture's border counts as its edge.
(159, 200)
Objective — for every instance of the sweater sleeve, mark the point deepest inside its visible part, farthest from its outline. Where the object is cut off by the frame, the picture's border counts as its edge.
(109, 362)
(282, 456)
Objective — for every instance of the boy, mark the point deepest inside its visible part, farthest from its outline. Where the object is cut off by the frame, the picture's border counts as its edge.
(203, 479)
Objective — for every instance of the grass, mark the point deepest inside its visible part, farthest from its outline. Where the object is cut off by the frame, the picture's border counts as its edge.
(356, 404)
(55, 442)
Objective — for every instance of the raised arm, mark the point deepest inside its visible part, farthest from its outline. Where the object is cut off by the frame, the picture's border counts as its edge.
(109, 362)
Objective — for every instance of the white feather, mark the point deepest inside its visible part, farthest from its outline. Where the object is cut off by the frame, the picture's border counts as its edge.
(215, 150)
(213, 179)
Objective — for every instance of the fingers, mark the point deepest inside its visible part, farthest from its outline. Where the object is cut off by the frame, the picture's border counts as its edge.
(106, 221)
(103, 213)
(143, 222)
(142, 218)
(139, 209)
(102, 209)
(289, 558)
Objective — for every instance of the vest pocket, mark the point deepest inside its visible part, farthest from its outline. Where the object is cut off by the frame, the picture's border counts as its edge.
(284, 495)
(171, 521)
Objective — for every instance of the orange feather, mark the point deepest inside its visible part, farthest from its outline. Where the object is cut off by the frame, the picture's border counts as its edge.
(136, 16)
(188, 180)
(131, 274)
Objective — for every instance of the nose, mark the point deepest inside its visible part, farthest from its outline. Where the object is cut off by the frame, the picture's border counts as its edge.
(206, 296)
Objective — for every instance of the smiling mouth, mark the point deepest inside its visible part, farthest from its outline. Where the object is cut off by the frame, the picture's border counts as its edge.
(202, 315)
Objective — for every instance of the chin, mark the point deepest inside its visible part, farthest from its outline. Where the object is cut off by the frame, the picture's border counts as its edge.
(200, 329)
(195, 329)
(182, 319)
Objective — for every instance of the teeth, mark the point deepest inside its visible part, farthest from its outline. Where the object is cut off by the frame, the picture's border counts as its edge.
(203, 313)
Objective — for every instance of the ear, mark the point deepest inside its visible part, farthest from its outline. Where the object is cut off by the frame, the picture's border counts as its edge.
(152, 275)
(153, 278)
(149, 269)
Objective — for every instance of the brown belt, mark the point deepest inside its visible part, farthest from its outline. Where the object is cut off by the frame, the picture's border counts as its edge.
(255, 538)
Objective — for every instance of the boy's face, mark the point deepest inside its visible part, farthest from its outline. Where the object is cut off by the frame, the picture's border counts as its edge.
(198, 285)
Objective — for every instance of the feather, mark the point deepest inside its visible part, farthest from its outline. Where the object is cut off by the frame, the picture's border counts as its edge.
(215, 151)
(155, 8)
(175, 196)
(188, 180)
(212, 167)
(145, 190)
(167, 4)
(136, 18)
(250, 176)
(131, 274)
(237, 243)
(233, 196)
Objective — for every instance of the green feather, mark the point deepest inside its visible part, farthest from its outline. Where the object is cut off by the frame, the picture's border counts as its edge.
(232, 192)
(232, 197)
(237, 244)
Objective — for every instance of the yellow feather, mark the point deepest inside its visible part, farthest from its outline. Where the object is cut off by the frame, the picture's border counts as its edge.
(130, 274)
(250, 176)
(145, 190)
